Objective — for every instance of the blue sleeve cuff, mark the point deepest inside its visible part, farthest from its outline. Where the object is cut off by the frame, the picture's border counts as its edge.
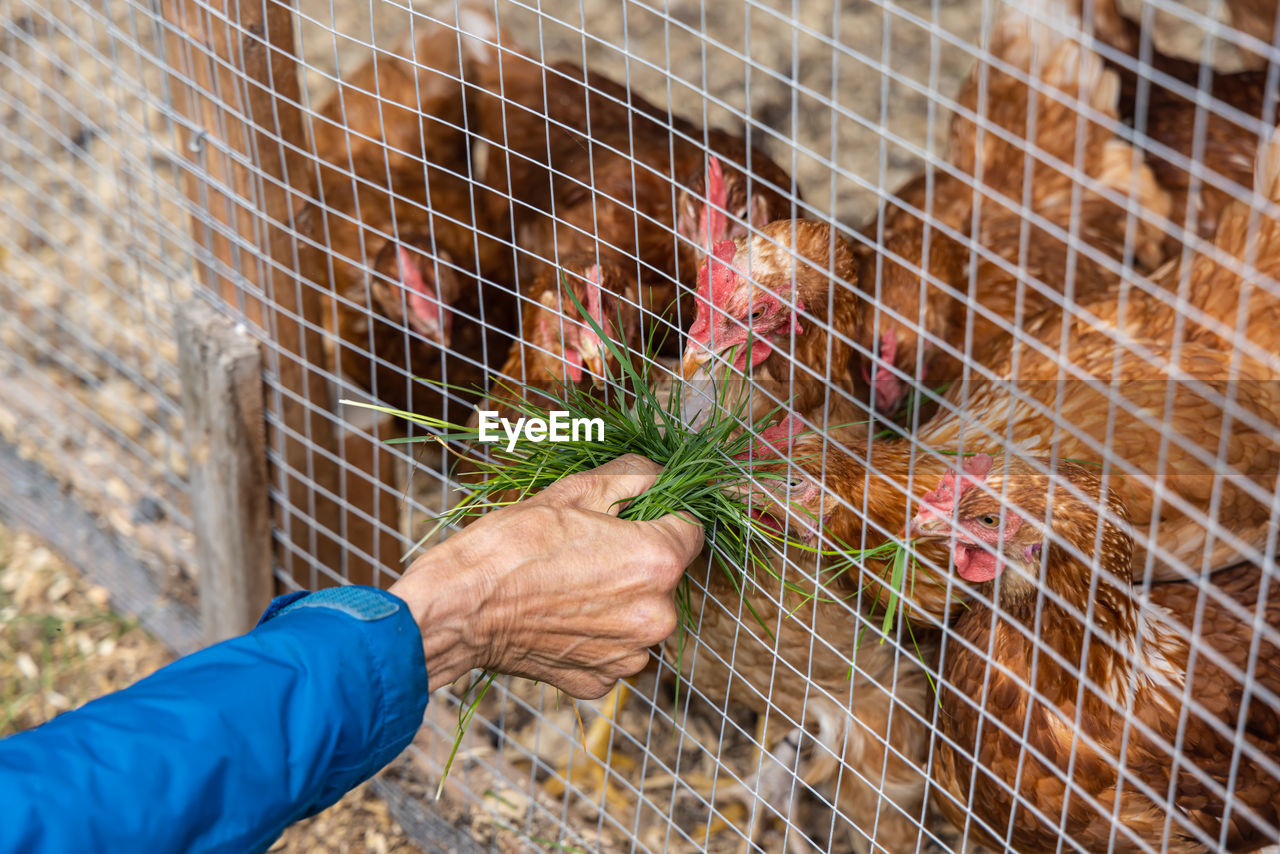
(396, 669)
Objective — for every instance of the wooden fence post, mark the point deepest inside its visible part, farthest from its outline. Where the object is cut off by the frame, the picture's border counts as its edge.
(233, 76)
(220, 367)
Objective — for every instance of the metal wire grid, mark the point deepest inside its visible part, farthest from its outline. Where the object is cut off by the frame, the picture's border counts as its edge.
(547, 731)
(668, 804)
(1073, 239)
(90, 270)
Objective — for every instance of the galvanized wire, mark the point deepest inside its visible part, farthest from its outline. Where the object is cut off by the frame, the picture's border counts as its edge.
(792, 77)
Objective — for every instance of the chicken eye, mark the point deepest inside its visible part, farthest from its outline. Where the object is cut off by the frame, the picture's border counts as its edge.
(989, 519)
(757, 314)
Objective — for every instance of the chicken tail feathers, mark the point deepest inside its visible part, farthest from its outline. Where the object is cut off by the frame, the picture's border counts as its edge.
(1242, 224)
(1082, 73)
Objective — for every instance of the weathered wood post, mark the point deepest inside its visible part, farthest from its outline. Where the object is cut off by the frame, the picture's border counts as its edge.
(220, 366)
(249, 172)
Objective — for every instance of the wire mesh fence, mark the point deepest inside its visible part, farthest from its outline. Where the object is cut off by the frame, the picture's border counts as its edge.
(995, 285)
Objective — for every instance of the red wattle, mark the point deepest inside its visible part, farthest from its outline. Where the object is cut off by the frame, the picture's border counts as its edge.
(976, 564)
(760, 350)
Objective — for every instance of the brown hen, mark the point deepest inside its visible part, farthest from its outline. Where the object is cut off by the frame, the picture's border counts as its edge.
(918, 323)
(1181, 399)
(413, 262)
(1062, 675)
(592, 168)
(1171, 126)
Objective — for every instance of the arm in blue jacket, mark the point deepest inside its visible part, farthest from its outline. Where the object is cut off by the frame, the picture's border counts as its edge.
(220, 751)
(223, 749)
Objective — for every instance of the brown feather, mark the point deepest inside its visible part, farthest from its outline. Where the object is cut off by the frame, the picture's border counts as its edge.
(1226, 150)
(393, 172)
(930, 338)
(591, 167)
(865, 701)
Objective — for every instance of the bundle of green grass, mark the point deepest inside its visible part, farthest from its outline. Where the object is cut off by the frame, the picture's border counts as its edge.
(706, 470)
(700, 467)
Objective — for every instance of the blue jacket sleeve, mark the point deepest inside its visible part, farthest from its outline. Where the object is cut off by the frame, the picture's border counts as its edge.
(223, 749)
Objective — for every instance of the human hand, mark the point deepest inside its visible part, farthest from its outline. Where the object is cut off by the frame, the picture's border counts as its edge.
(555, 588)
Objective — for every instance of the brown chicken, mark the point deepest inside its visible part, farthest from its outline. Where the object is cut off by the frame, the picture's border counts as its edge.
(1232, 299)
(865, 703)
(1128, 377)
(775, 314)
(413, 263)
(918, 324)
(854, 491)
(1171, 124)
(1229, 332)
(1117, 681)
(557, 347)
(591, 167)
(914, 316)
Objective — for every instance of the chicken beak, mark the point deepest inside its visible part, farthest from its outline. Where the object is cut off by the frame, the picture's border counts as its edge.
(592, 361)
(928, 527)
(695, 356)
(697, 397)
(596, 371)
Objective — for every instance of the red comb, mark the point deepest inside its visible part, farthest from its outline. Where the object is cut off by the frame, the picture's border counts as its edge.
(716, 281)
(595, 302)
(774, 440)
(713, 220)
(409, 274)
(977, 467)
(944, 497)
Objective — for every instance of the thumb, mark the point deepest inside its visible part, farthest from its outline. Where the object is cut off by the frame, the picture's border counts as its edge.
(605, 489)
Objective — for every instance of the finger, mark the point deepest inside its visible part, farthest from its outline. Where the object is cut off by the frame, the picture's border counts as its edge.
(584, 686)
(684, 535)
(606, 488)
(633, 664)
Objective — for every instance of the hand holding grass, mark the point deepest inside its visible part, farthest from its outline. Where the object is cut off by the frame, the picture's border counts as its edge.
(556, 588)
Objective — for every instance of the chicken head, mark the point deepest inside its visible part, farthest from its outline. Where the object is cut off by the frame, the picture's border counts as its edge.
(412, 284)
(560, 331)
(1001, 527)
(735, 313)
(783, 495)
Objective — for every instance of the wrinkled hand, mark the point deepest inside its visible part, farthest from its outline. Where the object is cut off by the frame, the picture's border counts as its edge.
(555, 588)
